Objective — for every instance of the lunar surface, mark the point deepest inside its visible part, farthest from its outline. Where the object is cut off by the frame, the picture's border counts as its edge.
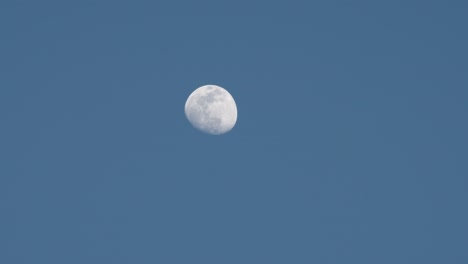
(211, 109)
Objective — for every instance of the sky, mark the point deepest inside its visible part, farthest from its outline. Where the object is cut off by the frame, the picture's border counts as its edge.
(350, 144)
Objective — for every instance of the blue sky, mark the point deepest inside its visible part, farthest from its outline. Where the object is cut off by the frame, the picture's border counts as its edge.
(350, 145)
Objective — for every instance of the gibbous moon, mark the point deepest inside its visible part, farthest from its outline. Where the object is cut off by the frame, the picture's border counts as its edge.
(211, 109)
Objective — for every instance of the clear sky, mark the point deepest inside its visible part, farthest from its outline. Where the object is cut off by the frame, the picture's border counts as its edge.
(350, 147)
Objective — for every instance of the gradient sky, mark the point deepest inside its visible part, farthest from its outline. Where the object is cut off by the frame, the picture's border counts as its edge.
(350, 147)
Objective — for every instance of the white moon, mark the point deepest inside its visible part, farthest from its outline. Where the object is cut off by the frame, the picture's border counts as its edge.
(211, 109)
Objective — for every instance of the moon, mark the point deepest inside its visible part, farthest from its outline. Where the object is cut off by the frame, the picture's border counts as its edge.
(211, 109)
